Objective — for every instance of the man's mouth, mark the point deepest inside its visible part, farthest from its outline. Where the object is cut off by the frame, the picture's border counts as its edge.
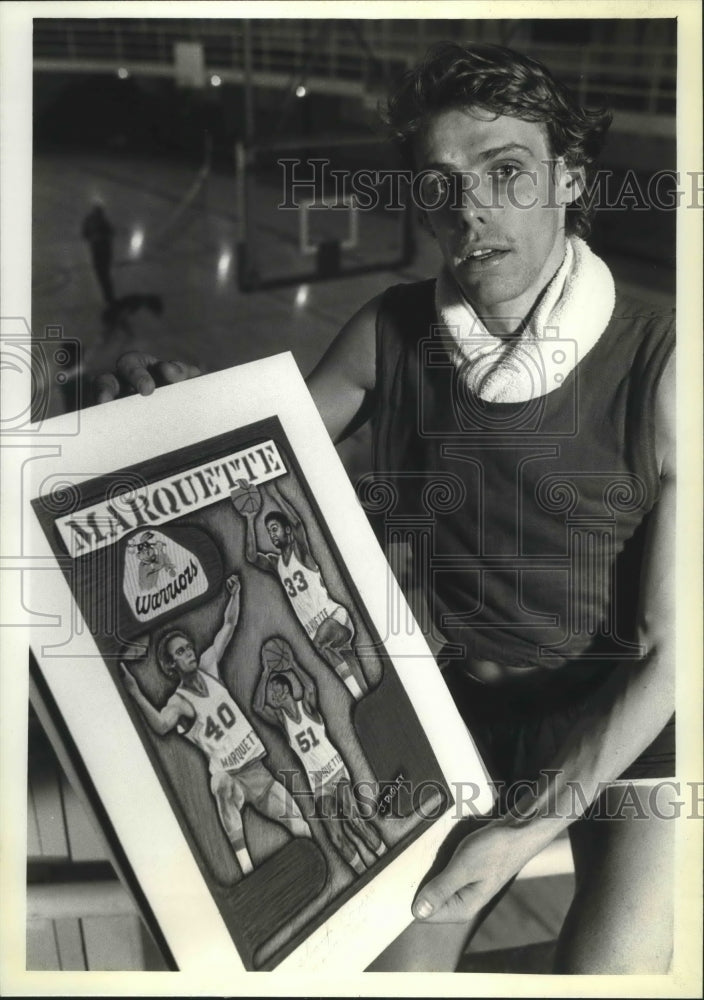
(482, 255)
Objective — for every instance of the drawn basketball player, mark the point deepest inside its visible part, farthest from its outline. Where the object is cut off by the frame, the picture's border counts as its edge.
(327, 623)
(203, 711)
(151, 553)
(298, 717)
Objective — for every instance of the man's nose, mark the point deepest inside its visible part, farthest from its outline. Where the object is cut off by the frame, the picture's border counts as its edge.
(473, 199)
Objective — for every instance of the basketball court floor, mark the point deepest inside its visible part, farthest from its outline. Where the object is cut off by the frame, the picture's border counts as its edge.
(176, 239)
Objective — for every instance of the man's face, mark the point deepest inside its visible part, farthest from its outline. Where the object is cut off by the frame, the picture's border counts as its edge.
(182, 655)
(501, 254)
(278, 534)
(278, 692)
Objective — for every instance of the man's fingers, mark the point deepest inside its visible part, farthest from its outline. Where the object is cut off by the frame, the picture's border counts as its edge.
(439, 902)
(106, 388)
(133, 368)
(142, 373)
(448, 890)
(461, 907)
(177, 371)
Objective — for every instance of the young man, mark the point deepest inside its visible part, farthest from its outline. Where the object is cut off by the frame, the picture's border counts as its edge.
(554, 580)
(327, 624)
(202, 710)
(299, 719)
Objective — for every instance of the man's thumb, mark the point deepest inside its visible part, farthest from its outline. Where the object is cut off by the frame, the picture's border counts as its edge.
(435, 896)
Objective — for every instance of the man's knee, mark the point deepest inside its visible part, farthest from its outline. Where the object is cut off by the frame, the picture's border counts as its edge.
(332, 635)
(228, 792)
(337, 836)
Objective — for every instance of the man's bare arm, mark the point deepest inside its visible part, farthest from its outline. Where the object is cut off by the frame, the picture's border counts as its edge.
(163, 720)
(210, 660)
(618, 723)
(310, 692)
(259, 701)
(282, 503)
(343, 382)
(251, 553)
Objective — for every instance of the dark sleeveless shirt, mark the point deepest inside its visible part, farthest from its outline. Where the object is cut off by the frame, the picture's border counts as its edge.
(529, 517)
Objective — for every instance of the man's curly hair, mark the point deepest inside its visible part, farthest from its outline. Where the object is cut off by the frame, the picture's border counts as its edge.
(503, 82)
(163, 658)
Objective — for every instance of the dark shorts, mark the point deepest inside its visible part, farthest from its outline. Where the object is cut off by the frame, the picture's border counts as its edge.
(254, 781)
(328, 797)
(519, 727)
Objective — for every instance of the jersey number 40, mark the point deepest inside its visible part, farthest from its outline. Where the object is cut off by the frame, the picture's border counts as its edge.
(226, 716)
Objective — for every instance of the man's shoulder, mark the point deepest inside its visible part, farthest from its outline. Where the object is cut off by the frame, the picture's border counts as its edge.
(640, 330)
(638, 340)
(406, 311)
(631, 306)
(410, 291)
(208, 666)
(178, 701)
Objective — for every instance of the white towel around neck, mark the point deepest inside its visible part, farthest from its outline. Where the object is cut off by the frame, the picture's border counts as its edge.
(566, 323)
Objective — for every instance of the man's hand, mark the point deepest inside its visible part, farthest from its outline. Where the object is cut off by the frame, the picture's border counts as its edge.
(231, 617)
(142, 373)
(128, 680)
(482, 864)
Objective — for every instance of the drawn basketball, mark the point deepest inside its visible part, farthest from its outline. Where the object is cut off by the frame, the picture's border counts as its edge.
(276, 654)
(246, 498)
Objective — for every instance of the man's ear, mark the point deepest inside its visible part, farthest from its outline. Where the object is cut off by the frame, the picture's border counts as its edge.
(572, 182)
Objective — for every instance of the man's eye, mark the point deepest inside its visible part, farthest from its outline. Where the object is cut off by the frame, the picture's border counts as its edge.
(505, 170)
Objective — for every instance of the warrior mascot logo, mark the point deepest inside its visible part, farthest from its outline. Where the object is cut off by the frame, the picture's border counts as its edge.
(160, 575)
